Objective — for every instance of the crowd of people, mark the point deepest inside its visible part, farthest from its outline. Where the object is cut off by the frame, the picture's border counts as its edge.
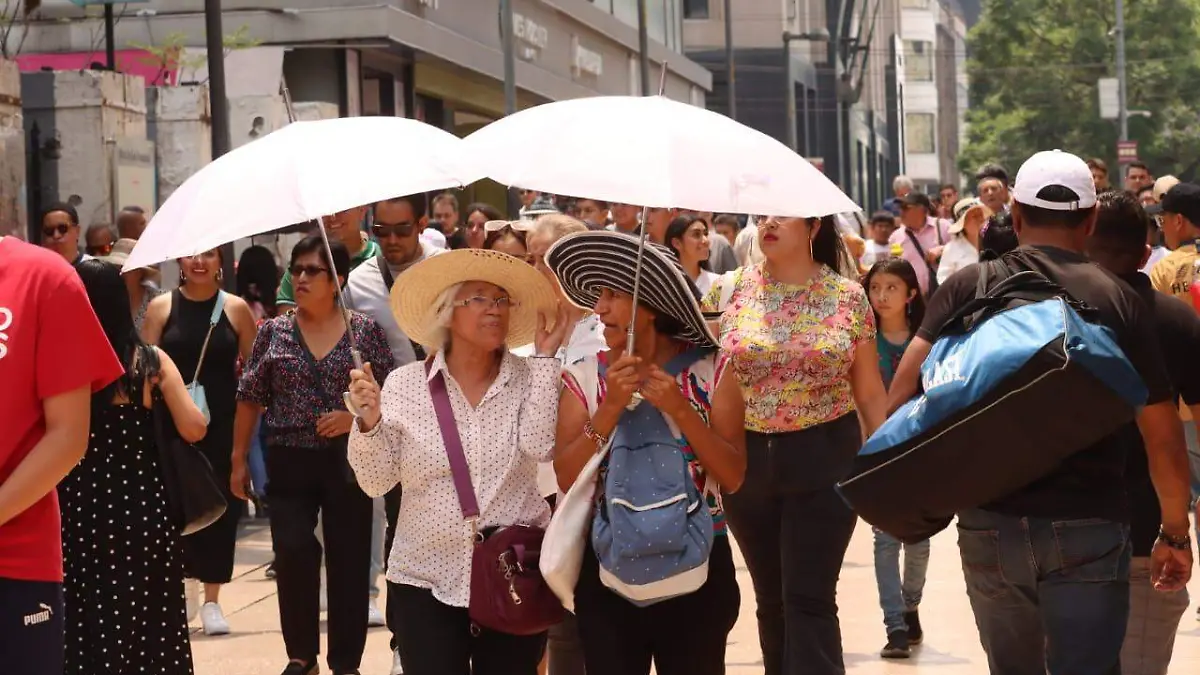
(500, 358)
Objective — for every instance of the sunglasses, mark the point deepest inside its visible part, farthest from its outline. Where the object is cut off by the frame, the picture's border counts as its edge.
(62, 230)
(100, 250)
(310, 270)
(382, 230)
(518, 225)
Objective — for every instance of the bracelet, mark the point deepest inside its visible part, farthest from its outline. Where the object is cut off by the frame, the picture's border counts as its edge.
(590, 433)
(1182, 543)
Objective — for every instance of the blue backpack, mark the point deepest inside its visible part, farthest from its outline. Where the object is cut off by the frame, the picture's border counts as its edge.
(653, 531)
(1017, 381)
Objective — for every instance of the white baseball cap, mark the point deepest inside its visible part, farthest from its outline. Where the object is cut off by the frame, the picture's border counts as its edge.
(1055, 168)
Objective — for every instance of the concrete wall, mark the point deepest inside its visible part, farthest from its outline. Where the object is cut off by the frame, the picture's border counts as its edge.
(179, 123)
(12, 153)
(80, 117)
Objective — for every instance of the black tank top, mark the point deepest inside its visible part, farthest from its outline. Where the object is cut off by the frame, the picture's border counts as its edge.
(182, 339)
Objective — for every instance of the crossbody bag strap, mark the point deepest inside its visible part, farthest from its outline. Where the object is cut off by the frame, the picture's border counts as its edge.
(385, 272)
(453, 442)
(933, 284)
(218, 309)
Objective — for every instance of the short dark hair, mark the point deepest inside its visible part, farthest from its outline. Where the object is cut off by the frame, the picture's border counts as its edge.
(446, 197)
(417, 202)
(65, 208)
(992, 170)
(598, 202)
(1121, 229)
(727, 219)
(314, 244)
(1036, 216)
(997, 236)
(883, 217)
(1140, 165)
(133, 209)
(1148, 188)
(948, 186)
(1097, 163)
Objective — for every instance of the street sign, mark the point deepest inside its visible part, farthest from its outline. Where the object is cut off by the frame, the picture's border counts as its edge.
(1109, 103)
(1127, 152)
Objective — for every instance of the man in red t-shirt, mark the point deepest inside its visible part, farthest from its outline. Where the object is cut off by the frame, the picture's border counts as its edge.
(53, 356)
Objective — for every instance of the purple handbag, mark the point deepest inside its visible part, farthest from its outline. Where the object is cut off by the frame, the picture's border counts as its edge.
(508, 593)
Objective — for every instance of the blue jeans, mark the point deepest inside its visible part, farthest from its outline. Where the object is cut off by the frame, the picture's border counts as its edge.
(1049, 596)
(258, 461)
(896, 595)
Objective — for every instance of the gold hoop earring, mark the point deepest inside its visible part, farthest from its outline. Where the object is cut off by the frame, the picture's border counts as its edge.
(810, 248)
(182, 278)
(220, 275)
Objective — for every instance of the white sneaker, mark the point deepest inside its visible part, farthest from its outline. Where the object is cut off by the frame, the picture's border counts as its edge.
(374, 616)
(191, 594)
(213, 619)
(397, 669)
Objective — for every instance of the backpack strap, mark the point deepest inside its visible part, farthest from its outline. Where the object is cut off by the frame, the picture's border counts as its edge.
(459, 469)
(999, 287)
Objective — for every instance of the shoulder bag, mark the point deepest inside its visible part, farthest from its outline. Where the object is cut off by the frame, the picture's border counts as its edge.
(508, 593)
(194, 500)
(195, 389)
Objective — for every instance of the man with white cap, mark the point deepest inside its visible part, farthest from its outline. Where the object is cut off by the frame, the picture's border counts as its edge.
(1047, 567)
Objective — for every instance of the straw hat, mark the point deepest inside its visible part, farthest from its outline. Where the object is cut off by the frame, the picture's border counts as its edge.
(962, 209)
(119, 254)
(587, 262)
(418, 287)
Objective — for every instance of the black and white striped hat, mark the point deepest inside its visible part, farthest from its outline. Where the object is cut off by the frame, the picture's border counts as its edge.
(587, 262)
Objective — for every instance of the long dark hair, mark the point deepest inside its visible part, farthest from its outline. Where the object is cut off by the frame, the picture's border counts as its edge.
(902, 269)
(258, 278)
(678, 228)
(997, 236)
(110, 301)
(828, 248)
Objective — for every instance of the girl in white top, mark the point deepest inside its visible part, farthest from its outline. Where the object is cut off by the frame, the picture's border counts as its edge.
(469, 306)
(687, 236)
(963, 248)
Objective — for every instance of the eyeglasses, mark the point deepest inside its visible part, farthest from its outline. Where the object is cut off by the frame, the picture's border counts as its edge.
(481, 304)
(310, 270)
(518, 225)
(102, 250)
(383, 230)
(61, 229)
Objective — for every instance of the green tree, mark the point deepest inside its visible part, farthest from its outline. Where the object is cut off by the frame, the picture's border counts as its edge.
(1034, 66)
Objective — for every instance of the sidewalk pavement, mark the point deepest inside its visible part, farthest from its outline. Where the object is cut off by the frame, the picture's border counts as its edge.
(951, 646)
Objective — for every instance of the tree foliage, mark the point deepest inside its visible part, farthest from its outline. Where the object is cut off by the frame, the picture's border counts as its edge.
(1034, 66)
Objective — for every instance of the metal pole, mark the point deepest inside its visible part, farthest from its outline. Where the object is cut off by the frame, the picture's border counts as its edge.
(1122, 105)
(218, 109)
(110, 40)
(789, 93)
(730, 74)
(643, 47)
(510, 62)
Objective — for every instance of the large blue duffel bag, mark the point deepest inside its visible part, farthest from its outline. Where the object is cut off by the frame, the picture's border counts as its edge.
(1016, 382)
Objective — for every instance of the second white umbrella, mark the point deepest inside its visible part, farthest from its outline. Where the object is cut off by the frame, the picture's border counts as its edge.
(653, 152)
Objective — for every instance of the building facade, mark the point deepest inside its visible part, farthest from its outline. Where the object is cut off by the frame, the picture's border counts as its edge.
(845, 77)
(935, 91)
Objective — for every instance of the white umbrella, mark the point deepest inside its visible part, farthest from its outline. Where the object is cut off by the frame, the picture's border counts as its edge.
(301, 172)
(655, 152)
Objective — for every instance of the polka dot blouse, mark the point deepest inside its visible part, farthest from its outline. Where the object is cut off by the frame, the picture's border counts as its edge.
(504, 438)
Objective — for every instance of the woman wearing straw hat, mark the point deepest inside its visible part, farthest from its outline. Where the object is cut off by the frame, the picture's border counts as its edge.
(468, 307)
(684, 635)
(969, 216)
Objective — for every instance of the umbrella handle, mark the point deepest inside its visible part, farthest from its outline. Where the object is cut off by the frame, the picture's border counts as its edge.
(358, 365)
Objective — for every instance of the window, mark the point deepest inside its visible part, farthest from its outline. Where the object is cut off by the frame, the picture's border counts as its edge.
(914, 4)
(918, 61)
(695, 9)
(918, 133)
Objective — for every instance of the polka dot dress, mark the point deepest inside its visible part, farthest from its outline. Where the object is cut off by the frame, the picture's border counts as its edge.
(125, 608)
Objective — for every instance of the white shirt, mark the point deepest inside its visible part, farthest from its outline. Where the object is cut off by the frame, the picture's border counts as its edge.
(1156, 253)
(957, 254)
(503, 440)
(434, 238)
(367, 292)
(875, 252)
(745, 246)
(705, 281)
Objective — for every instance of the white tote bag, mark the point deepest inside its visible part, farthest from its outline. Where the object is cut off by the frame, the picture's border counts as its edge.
(566, 537)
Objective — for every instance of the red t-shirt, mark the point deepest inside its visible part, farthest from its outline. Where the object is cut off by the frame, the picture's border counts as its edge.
(50, 343)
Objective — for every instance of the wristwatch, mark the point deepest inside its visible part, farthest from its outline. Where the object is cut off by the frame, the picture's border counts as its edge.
(1180, 543)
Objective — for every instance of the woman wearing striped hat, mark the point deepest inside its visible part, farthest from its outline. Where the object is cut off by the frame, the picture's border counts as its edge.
(683, 635)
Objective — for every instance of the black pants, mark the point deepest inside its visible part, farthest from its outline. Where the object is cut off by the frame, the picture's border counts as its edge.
(31, 627)
(682, 636)
(391, 508)
(793, 529)
(304, 482)
(436, 639)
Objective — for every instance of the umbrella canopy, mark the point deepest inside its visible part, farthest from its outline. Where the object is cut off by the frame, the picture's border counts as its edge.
(657, 152)
(301, 172)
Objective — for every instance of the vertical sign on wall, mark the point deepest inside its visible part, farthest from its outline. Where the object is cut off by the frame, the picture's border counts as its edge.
(353, 83)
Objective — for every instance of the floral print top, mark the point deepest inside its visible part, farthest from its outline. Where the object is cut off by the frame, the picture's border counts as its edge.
(791, 346)
(282, 376)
